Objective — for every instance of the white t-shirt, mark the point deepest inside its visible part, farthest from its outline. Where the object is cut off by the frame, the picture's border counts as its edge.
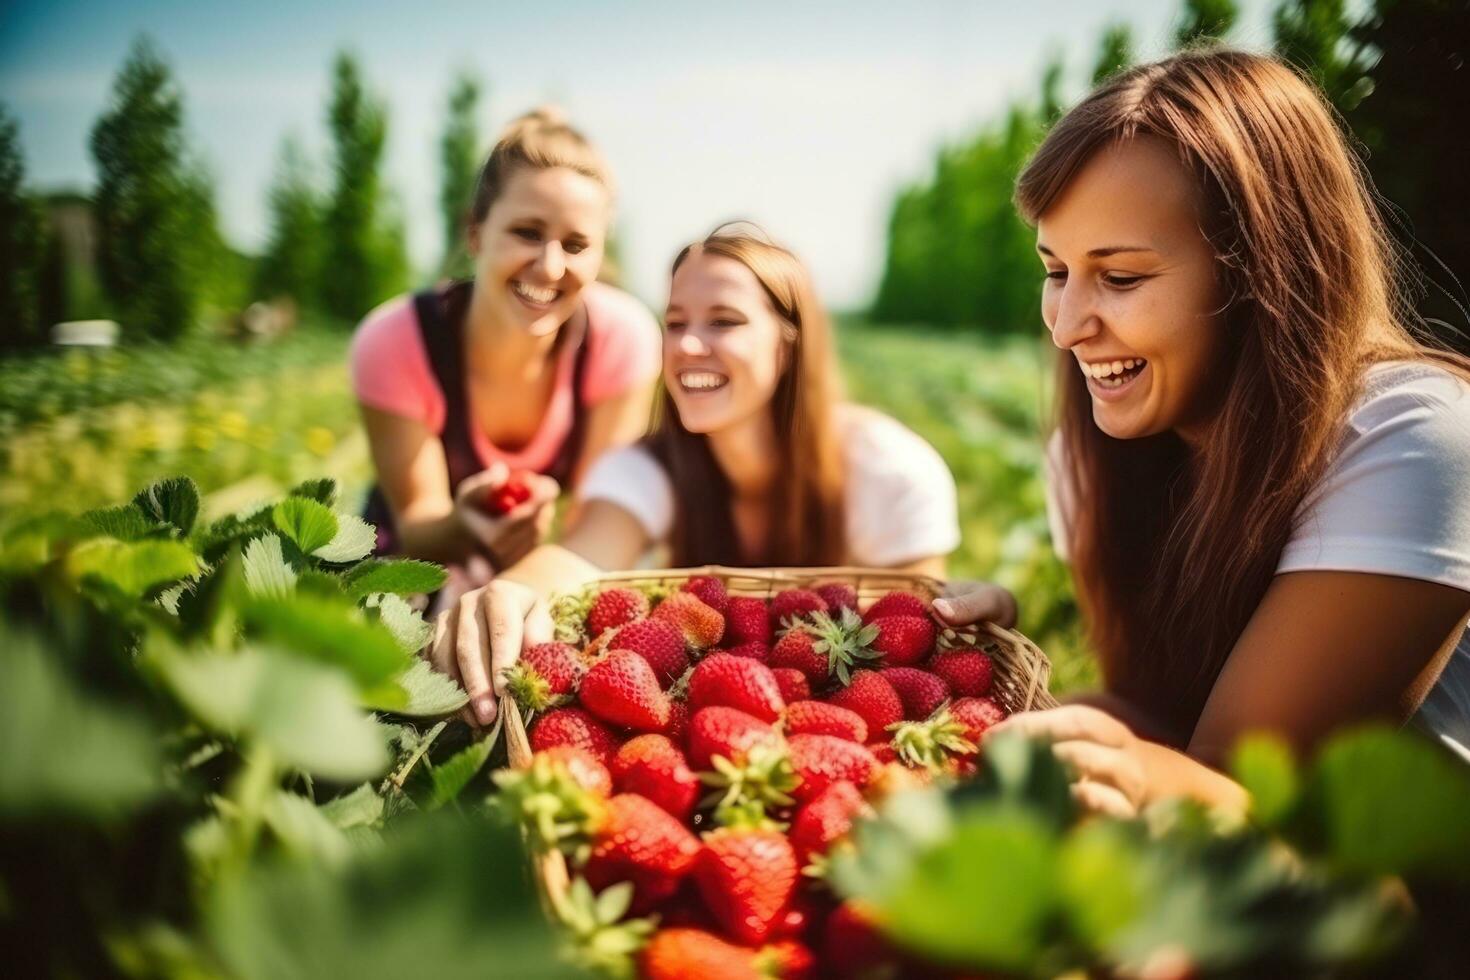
(1394, 501)
(900, 496)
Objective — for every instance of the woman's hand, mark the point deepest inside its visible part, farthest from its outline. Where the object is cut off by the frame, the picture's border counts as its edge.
(965, 603)
(510, 536)
(481, 636)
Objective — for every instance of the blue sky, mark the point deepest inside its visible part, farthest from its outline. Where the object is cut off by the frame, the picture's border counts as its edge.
(805, 116)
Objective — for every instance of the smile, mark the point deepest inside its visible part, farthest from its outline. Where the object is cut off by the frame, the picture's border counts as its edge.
(1113, 374)
(534, 295)
(700, 382)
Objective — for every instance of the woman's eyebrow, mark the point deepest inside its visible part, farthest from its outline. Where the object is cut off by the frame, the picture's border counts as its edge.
(1101, 253)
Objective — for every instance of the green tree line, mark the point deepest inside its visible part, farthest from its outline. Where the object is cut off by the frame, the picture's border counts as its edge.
(1393, 69)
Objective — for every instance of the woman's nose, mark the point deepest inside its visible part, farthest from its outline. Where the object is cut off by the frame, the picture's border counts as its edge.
(1075, 319)
(692, 343)
(553, 261)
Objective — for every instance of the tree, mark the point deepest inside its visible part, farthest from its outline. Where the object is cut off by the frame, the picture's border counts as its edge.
(459, 159)
(147, 200)
(22, 246)
(364, 261)
(1205, 20)
(1052, 105)
(1115, 53)
(1315, 35)
(292, 263)
(1411, 124)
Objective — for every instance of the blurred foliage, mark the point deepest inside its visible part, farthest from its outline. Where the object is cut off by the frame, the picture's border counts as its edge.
(1114, 52)
(292, 262)
(1205, 20)
(228, 754)
(459, 168)
(22, 246)
(1316, 35)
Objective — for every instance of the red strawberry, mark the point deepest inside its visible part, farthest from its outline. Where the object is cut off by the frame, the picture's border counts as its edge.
(701, 626)
(573, 726)
(920, 691)
(635, 839)
(933, 742)
(544, 675)
(681, 954)
(677, 730)
(977, 715)
(747, 875)
(794, 604)
(615, 607)
(825, 819)
(623, 689)
(967, 672)
(788, 959)
(746, 619)
(794, 686)
(897, 604)
(838, 596)
(852, 946)
(754, 649)
(709, 590)
(736, 682)
(658, 643)
(728, 732)
(586, 770)
(653, 767)
(821, 760)
(508, 496)
(797, 650)
(870, 695)
(817, 718)
(884, 752)
(903, 640)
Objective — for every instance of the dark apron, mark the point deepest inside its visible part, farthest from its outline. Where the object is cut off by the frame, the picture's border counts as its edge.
(441, 318)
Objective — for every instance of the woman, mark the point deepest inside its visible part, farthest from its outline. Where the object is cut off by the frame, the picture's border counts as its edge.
(755, 462)
(532, 367)
(1261, 477)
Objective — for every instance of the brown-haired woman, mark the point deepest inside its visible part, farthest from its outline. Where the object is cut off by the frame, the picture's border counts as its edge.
(531, 367)
(755, 462)
(1261, 477)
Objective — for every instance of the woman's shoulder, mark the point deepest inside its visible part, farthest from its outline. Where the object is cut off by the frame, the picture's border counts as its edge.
(875, 440)
(1421, 397)
(390, 368)
(623, 343)
(392, 325)
(901, 497)
(611, 311)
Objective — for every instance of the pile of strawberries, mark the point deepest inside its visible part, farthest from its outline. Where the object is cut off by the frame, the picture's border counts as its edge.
(703, 755)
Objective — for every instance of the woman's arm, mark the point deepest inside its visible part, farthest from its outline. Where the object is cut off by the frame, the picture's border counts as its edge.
(617, 421)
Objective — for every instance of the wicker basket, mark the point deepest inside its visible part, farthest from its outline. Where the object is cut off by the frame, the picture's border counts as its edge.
(1019, 682)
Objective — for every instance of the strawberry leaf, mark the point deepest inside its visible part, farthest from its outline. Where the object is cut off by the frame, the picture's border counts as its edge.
(267, 573)
(305, 523)
(401, 576)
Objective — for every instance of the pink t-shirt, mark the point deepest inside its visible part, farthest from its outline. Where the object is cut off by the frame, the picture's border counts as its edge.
(391, 370)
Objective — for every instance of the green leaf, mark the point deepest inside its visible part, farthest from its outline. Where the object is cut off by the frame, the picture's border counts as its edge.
(125, 522)
(267, 573)
(1103, 885)
(363, 807)
(306, 523)
(132, 567)
(174, 501)
(426, 692)
(454, 774)
(355, 539)
(400, 576)
(68, 753)
(1263, 764)
(304, 712)
(303, 829)
(331, 631)
(402, 620)
(323, 490)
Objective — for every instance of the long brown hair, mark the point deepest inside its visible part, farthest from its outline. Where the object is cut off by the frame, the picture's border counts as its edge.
(1174, 549)
(807, 512)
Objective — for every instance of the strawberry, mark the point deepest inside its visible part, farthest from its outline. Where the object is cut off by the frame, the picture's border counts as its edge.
(977, 715)
(681, 954)
(823, 646)
(797, 650)
(623, 689)
(573, 726)
(508, 496)
(701, 626)
(933, 742)
(736, 682)
(754, 649)
(791, 605)
(871, 696)
(654, 768)
(788, 959)
(726, 732)
(585, 769)
(633, 839)
(884, 752)
(852, 946)
(838, 596)
(615, 607)
(747, 874)
(821, 760)
(920, 691)
(897, 604)
(658, 643)
(903, 640)
(818, 718)
(709, 590)
(967, 672)
(545, 675)
(794, 686)
(827, 818)
(677, 730)
(747, 619)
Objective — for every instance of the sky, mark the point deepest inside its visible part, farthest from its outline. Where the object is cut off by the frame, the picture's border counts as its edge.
(806, 117)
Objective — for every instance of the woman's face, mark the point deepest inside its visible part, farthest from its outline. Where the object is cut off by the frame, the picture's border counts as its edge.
(539, 245)
(1131, 291)
(724, 347)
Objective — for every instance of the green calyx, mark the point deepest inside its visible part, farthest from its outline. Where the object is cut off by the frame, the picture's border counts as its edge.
(546, 801)
(598, 940)
(930, 743)
(766, 779)
(845, 640)
(531, 691)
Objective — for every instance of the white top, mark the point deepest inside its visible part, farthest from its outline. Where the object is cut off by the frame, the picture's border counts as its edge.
(1394, 501)
(900, 495)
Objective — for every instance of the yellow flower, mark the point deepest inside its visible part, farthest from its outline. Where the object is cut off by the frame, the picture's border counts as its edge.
(233, 425)
(320, 440)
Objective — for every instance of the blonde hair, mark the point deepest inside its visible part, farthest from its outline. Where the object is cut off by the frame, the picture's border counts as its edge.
(540, 139)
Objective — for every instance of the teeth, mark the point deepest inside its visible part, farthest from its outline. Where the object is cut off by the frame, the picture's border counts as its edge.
(536, 294)
(1105, 370)
(701, 380)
